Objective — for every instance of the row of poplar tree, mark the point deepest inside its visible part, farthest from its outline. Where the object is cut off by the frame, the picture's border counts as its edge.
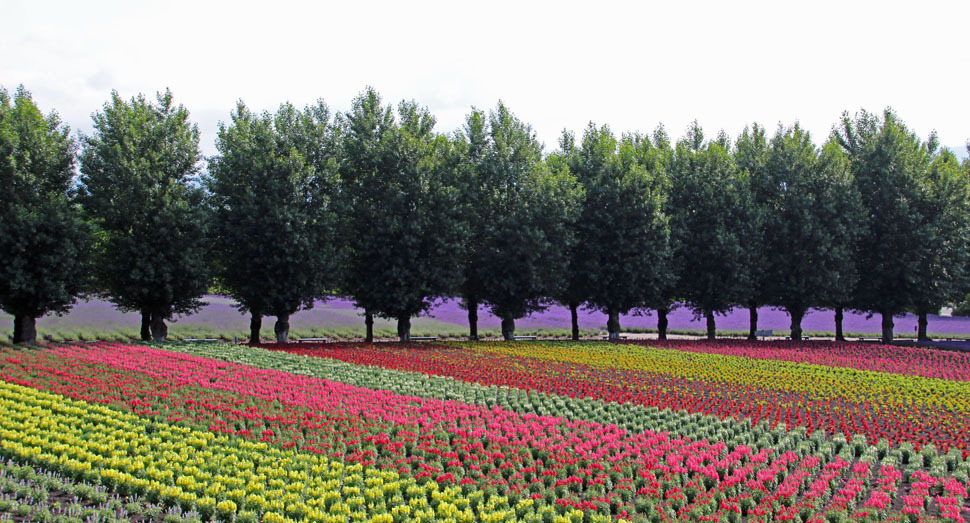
(376, 205)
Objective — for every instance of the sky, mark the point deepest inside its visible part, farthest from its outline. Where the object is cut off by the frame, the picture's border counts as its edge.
(556, 65)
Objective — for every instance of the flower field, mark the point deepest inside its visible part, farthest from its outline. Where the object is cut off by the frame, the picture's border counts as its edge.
(551, 432)
(926, 401)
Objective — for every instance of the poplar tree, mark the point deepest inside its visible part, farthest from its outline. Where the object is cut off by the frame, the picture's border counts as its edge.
(273, 187)
(403, 221)
(657, 154)
(810, 226)
(472, 144)
(574, 291)
(140, 188)
(44, 240)
(622, 235)
(751, 155)
(850, 222)
(526, 210)
(888, 163)
(942, 276)
(708, 212)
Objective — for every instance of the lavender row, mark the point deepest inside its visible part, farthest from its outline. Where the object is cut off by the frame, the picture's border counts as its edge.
(94, 319)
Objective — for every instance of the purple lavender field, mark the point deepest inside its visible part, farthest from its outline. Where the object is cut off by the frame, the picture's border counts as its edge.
(338, 318)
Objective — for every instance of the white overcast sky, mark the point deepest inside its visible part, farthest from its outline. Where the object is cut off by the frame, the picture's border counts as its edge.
(555, 64)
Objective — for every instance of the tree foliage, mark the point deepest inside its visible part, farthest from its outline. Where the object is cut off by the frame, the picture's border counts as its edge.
(404, 224)
(709, 213)
(811, 225)
(376, 205)
(945, 250)
(526, 209)
(656, 153)
(888, 163)
(139, 187)
(751, 156)
(574, 289)
(621, 257)
(44, 240)
(273, 187)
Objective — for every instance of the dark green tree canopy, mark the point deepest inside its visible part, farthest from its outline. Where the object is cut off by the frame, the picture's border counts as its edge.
(376, 205)
(272, 188)
(574, 291)
(476, 187)
(811, 225)
(887, 163)
(709, 202)
(751, 155)
(525, 211)
(38, 152)
(140, 187)
(43, 239)
(650, 159)
(847, 223)
(403, 222)
(945, 250)
(656, 153)
(622, 236)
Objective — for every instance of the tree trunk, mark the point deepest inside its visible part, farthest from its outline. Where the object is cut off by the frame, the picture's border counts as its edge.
(255, 326)
(839, 335)
(369, 324)
(887, 327)
(662, 323)
(922, 323)
(24, 329)
(146, 325)
(613, 323)
(711, 327)
(404, 328)
(752, 322)
(472, 305)
(158, 327)
(508, 329)
(282, 328)
(574, 317)
(796, 323)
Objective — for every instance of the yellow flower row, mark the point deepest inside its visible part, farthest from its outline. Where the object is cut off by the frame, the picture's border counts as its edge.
(219, 475)
(812, 380)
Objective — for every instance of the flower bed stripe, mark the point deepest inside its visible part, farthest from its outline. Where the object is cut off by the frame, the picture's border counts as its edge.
(907, 360)
(219, 476)
(811, 379)
(887, 415)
